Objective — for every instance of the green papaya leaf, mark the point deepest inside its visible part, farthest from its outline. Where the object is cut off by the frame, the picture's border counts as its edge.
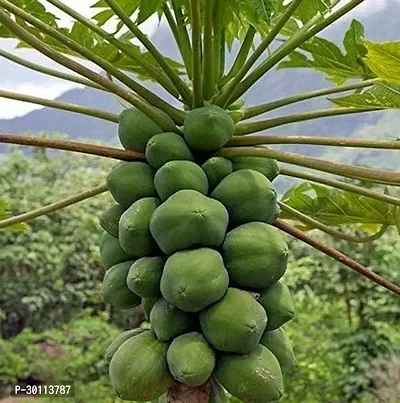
(310, 8)
(339, 208)
(103, 17)
(381, 95)
(383, 58)
(5, 213)
(264, 8)
(323, 55)
(37, 10)
(149, 7)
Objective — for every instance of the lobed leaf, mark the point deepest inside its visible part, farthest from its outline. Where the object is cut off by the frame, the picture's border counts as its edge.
(383, 58)
(310, 8)
(325, 56)
(5, 214)
(381, 95)
(339, 208)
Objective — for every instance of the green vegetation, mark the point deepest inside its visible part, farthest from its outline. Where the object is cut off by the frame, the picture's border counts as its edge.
(149, 378)
(194, 279)
(195, 199)
(208, 128)
(168, 321)
(167, 147)
(266, 166)
(115, 291)
(256, 376)
(279, 344)
(180, 175)
(130, 181)
(248, 196)
(190, 359)
(135, 129)
(321, 333)
(216, 168)
(235, 323)
(187, 219)
(255, 255)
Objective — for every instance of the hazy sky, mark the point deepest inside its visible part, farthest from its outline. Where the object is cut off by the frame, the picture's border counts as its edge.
(19, 79)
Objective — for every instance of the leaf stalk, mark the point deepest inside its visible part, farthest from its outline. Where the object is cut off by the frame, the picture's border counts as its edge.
(53, 207)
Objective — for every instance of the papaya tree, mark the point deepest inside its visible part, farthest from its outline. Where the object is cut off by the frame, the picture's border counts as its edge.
(196, 231)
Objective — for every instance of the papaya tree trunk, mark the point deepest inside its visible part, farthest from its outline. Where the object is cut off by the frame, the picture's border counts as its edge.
(181, 393)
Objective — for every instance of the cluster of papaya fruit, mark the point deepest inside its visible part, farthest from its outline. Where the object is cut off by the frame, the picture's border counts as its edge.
(191, 239)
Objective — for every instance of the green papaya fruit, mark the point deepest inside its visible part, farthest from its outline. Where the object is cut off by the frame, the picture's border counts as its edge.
(217, 393)
(139, 369)
(216, 168)
(254, 377)
(179, 175)
(255, 255)
(135, 129)
(118, 341)
(194, 279)
(168, 321)
(148, 304)
(267, 166)
(110, 218)
(279, 343)
(167, 147)
(248, 196)
(114, 289)
(145, 275)
(187, 219)
(131, 181)
(134, 230)
(278, 304)
(111, 252)
(235, 323)
(208, 128)
(190, 359)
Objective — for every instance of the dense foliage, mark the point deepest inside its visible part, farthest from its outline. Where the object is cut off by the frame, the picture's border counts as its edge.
(54, 266)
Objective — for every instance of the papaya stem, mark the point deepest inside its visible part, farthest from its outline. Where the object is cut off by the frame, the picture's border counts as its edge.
(284, 50)
(315, 224)
(83, 110)
(198, 100)
(218, 16)
(181, 393)
(186, 47)
(242, 55)
(267, 107)
(174, 29)
(125, 48)
(254, 127)
(350, 171)
(316, 141)
(337, 255)
(50, 208)
(50, 72)
(154, 114)
(208, 59)
(339, 185)
(74, 146)
(143, 92)
(224, 98)
(222, 53)
(182, 88)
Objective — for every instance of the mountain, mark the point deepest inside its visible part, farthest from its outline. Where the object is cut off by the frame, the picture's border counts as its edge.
(381, 25)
